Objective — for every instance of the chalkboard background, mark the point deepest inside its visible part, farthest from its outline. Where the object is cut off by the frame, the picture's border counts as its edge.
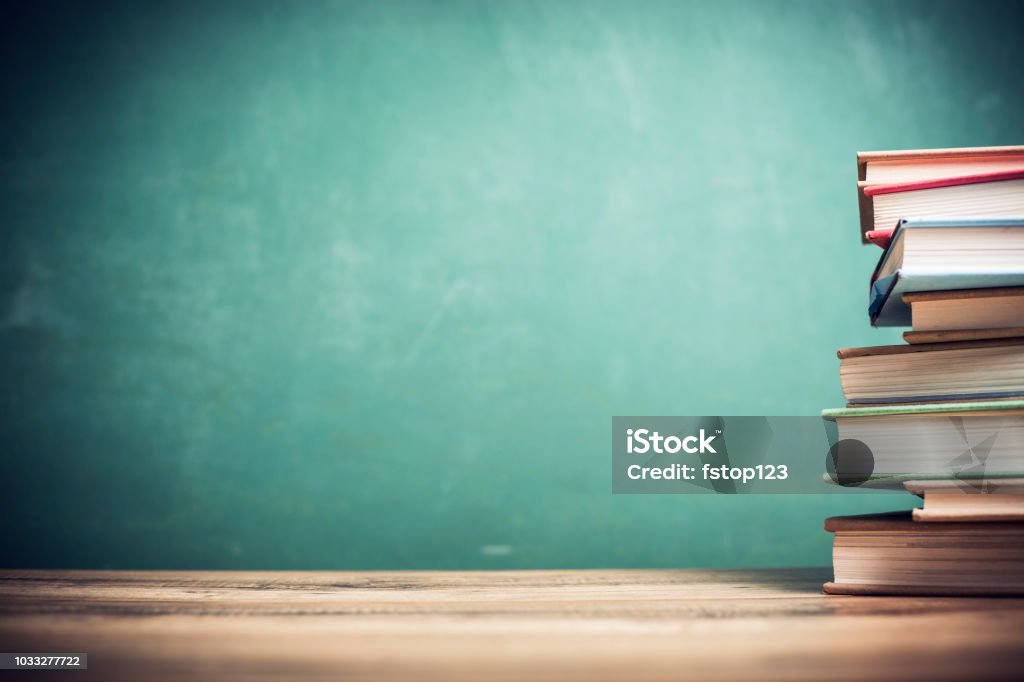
(313, 285)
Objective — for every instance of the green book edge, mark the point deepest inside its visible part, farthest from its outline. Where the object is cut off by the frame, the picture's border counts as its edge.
(895, 481)
(929, 408)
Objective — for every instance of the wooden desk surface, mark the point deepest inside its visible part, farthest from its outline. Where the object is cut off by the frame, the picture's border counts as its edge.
(538, 625)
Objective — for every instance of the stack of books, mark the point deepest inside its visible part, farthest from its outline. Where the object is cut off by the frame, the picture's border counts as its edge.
(941, 416)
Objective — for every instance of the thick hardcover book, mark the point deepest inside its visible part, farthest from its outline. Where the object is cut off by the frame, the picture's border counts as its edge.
(912, 165)
(990, 195)
(965, 314)
(975, 443)
(890, 554)
(940, 254)
(927, 372)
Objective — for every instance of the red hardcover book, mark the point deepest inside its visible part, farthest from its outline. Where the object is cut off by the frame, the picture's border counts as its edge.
(985, 195)
(875, 190)
(913, 165)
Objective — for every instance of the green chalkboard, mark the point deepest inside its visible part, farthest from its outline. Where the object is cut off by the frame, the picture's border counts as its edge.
(328, 284)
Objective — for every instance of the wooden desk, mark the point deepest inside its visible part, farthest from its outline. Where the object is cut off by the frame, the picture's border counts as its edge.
(528, 625)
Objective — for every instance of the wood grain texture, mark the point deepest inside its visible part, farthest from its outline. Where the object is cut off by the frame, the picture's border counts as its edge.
(541, 625)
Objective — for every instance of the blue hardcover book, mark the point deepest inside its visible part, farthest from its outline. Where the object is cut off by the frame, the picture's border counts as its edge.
(941, 255)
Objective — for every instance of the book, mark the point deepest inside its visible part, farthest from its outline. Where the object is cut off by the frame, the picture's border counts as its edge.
(944, 255)
(961, 370)
(915, 165)
(890, 554)
(950, 335)
(910, 165)
(966, 314)
(963, 500)
(943, 416)
(988, 195)
(973, 442)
